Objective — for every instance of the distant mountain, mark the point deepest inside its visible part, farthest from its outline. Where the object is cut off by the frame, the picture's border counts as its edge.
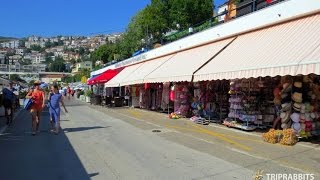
(3, 39)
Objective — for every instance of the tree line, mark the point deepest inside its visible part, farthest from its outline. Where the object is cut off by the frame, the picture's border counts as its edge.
(150, 25)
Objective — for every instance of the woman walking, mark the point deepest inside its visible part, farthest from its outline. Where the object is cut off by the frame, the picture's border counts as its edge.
(55, 98)
(38, 99)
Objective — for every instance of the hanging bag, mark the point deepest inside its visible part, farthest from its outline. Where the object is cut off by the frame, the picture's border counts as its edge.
(27, 104)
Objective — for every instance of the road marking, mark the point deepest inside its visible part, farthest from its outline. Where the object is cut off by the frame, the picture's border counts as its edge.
(220, 136)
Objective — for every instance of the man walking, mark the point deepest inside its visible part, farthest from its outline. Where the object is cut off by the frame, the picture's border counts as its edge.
(8, 99)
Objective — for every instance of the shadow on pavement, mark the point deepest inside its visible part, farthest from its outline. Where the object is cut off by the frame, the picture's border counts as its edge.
(93, 174)
(66, 130)
(44, 156)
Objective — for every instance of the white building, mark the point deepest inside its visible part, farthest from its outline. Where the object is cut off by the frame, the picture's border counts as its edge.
(222, 9)
(2, 58)
(11, 44)
(38, 58)
(20, 51)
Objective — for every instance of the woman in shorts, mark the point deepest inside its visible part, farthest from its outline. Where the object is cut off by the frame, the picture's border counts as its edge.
(38, 100)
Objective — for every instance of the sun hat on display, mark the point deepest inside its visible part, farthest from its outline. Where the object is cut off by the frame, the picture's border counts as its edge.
(297, 106)
(313, 115)
(297, 97)
(286, 125)
(295, 117)
(307, 79)
(302, 116)
(286, 107)
(303, 108)
(296, 127)
(297, 84)
(285, 117)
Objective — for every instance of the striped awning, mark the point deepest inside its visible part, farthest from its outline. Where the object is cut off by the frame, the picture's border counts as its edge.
(291, 48)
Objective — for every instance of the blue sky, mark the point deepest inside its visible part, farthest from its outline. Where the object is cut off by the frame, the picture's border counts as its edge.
(20, 18)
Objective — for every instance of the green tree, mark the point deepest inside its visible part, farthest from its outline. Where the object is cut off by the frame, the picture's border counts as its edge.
(14, 77)
(57, 66)
(35, 47)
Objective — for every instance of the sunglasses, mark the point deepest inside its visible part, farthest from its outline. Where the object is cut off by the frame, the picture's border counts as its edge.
(36, 84)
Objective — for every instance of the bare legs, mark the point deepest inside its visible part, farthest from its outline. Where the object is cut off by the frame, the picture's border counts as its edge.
(35, 121)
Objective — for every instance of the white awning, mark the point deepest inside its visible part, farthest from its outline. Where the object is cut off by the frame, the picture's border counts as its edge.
(145, 69)
(127, 71)
(291, 48)
(182, 66)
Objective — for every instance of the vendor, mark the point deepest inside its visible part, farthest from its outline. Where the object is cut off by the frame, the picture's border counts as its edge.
(197, 107)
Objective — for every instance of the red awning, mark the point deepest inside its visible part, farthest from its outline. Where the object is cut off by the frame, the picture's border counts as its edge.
(104, 77)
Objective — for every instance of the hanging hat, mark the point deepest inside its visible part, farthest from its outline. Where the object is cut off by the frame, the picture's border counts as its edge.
(297, 84)
(297, 107)
(307, 79)
(286, 107)
(285, 117)
(296, 127)
(287, 87)
(286, 125)
(313, 115)
(302, 116)
(297, 97)
(295, 117)
(303, 108)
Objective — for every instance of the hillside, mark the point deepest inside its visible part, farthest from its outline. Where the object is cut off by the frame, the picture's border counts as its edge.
(4, 39)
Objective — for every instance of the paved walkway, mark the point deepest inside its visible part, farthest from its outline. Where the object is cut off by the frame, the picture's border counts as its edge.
(120, 143)
(45, 156)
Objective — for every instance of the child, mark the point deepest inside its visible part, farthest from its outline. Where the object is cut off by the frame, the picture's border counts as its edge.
(54, 108)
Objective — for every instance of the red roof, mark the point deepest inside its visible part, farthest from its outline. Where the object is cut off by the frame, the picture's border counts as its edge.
(104, 77)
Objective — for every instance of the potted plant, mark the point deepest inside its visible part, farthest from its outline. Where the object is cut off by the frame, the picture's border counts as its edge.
(88, 93)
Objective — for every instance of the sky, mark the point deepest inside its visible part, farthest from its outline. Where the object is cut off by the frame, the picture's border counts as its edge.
(22, 18)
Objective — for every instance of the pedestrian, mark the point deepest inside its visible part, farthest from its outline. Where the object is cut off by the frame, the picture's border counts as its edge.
(8, 100)
(55, 98)
(69, 92)
(38, 99)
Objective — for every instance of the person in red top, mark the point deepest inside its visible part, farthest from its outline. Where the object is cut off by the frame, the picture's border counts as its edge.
(38, 98)
(69, 92)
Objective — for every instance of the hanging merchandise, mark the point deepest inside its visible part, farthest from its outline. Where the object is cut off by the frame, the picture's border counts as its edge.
(251, 104)
(165, 96)
(135, 96)
(147, 86)
(181, 100)
(172, 93)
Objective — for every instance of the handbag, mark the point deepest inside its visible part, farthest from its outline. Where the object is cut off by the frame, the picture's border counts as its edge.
(27, 104)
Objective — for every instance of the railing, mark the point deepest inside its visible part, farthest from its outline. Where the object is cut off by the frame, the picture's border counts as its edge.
(243, 8)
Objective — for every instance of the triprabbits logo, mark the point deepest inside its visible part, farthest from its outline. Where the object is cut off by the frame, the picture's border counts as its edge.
(290, 176)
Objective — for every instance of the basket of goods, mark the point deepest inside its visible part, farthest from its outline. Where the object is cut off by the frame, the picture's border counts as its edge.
(289, 137)
(174, 116)
(272, 136)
